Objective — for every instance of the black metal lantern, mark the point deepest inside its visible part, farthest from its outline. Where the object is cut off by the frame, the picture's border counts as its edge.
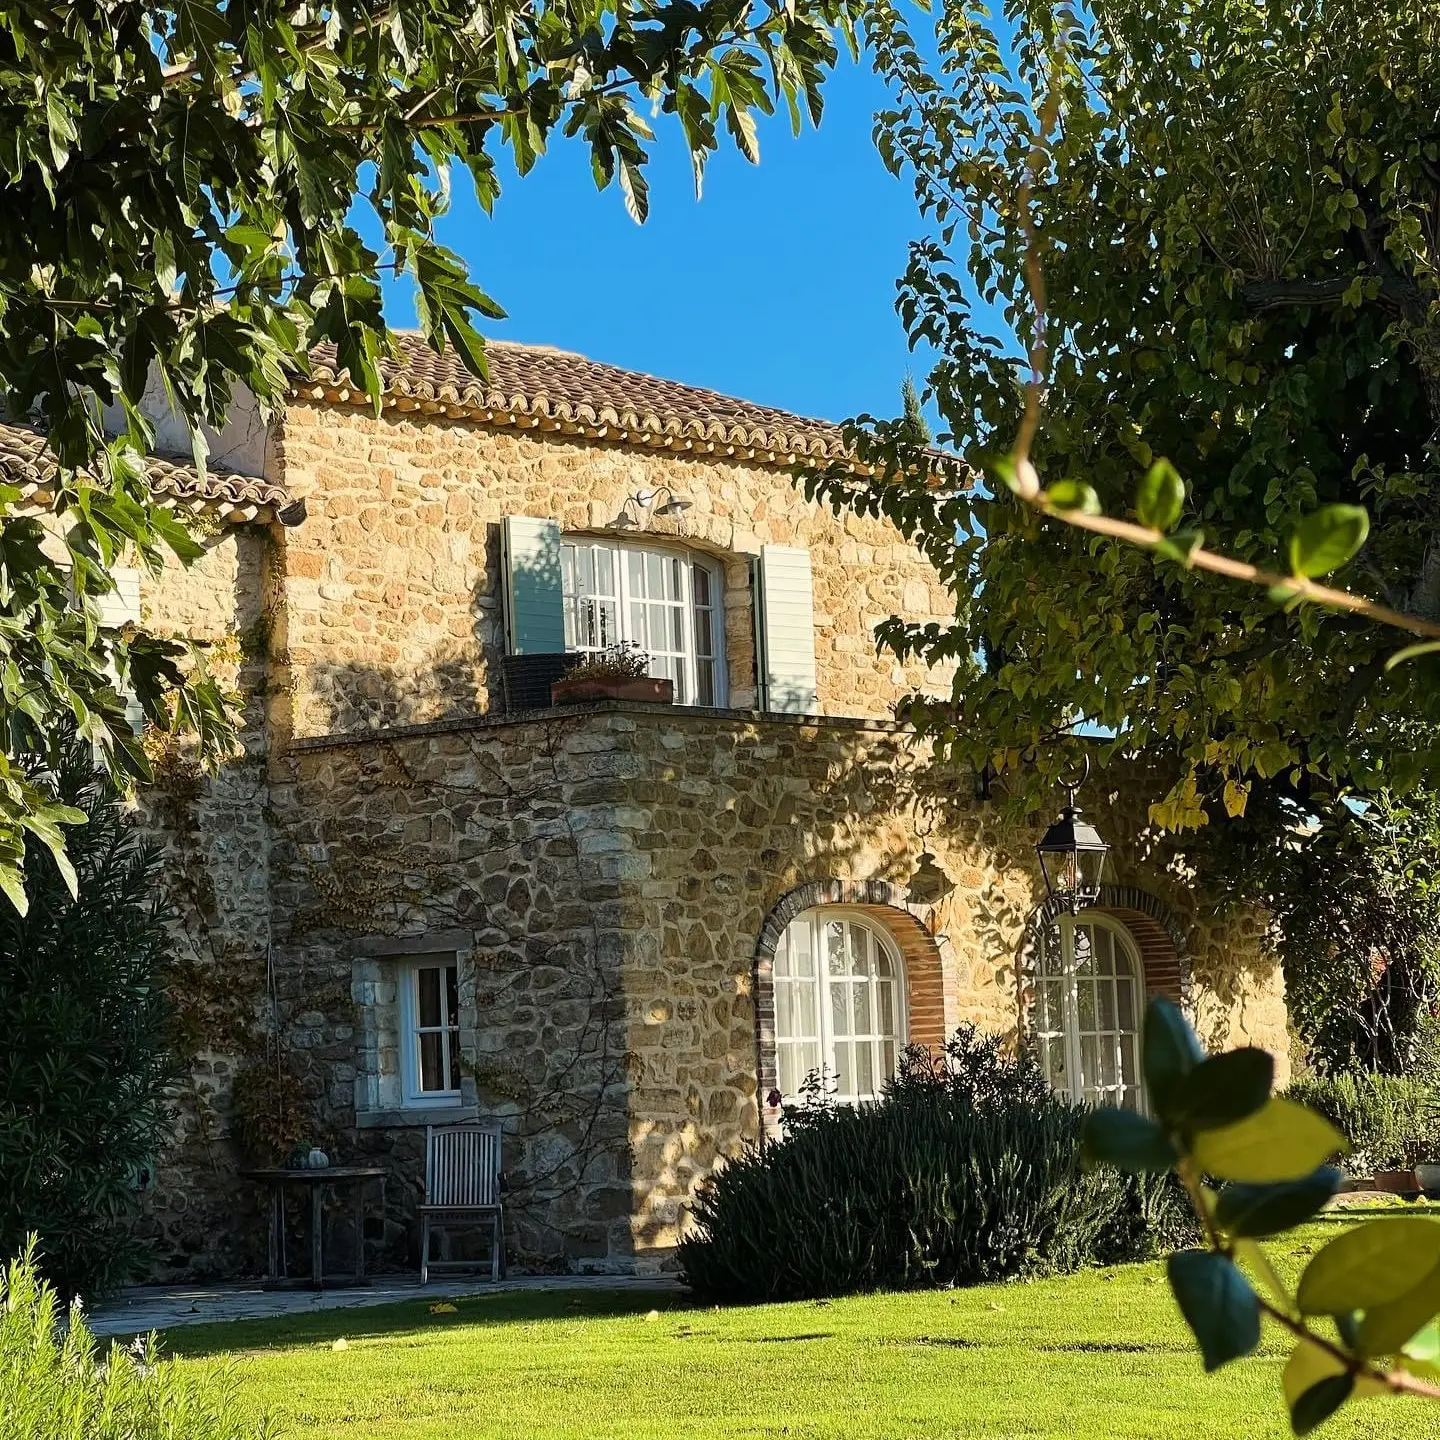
(1072, 856)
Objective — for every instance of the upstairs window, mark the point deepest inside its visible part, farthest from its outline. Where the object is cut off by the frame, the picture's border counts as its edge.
(664, 601)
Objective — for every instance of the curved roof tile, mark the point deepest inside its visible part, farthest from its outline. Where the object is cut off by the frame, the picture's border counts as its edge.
(555, 385)
(28, 463)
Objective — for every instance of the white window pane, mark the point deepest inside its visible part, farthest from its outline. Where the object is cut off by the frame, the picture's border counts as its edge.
(432, 1051)
(844, 1069)
(864, 1071)
(802, 951)
(885, 1009)
(859, 950)
(782, 955)
(1085, 996)
(860, 1009)
(807, 1008)
(700, 578)
(1089, 1060)
(839, 1010)
(1126, 996)
(427, 1008)
(705, 682)
(836, 960)
(789, 1076)
(1108, 1017)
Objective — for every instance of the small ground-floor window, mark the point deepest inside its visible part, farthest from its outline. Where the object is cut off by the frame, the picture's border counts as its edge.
(1086, 1021)
(430, 1034)
(839, 1005)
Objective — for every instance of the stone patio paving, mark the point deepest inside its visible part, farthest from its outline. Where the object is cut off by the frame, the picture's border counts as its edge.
(142, 1308)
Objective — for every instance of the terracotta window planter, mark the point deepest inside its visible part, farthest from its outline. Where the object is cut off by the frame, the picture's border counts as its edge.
(585, 689)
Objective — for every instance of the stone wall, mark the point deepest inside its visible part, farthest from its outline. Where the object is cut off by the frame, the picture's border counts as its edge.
(605, 878)
(392, 584)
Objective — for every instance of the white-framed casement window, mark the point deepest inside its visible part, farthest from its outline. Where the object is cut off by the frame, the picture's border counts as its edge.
(661, 599)
(430, 1031)
(839, 1005)
(1088, 1004)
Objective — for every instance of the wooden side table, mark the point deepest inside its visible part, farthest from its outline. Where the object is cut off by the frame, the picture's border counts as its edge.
(276, 1179)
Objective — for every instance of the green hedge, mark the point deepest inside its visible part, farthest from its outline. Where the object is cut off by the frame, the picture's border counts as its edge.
(967, 1171)
(1391, 1121)
(57, 1384)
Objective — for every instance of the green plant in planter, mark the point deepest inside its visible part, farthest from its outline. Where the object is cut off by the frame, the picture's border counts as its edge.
(625, 661)
(1363, 1315)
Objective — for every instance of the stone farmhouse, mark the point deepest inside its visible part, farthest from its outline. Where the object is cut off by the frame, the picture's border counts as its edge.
(627, 930)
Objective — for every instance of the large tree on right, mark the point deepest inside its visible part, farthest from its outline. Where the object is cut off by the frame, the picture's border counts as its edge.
(1235, 213)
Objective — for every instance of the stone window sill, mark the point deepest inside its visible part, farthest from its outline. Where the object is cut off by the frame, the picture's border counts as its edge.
(415, 1115)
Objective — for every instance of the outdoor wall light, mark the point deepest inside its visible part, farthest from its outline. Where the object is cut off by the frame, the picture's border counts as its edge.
(1072, 854)
(644, 505)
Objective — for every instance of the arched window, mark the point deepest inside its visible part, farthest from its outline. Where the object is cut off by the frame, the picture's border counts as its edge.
(661, 599)
(1087, 1011)
(839, 1005)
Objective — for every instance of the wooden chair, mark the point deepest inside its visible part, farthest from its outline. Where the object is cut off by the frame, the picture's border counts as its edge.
(462, 1180)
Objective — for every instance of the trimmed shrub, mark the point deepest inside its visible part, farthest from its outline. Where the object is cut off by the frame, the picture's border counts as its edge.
(967, 1171)
(1391, 1121)
(57, 1384)
(87, 1054)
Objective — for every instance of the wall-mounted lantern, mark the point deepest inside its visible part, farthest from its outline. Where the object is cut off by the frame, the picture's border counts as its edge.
(1072, 855)
(643, 506)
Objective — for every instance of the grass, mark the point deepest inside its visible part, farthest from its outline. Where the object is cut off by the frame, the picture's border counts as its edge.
(1103, 1354)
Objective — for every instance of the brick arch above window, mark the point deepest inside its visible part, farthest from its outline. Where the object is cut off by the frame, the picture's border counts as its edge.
(1151, 924)
(886, 905)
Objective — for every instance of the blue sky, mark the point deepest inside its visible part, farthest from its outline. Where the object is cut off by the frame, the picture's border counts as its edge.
(778, 285)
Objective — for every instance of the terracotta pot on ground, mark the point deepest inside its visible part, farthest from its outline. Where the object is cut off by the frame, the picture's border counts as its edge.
(1396, 1182)
(584, 689)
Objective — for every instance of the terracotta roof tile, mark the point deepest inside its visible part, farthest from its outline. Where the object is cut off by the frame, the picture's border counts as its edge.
(555, 385)
(26, 462)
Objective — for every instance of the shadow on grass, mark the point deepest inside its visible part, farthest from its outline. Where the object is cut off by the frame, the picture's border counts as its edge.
(414, 1318)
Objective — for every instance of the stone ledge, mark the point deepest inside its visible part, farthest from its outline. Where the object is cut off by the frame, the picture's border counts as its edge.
(669, 713)
(413, 1117)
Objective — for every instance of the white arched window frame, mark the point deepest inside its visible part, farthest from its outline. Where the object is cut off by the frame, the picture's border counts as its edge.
(662, 599)
(1089, 999)
(839, 1005)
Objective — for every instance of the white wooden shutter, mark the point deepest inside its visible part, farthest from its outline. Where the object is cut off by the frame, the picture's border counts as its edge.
(787, 630)
(534, 600)
(122, 605)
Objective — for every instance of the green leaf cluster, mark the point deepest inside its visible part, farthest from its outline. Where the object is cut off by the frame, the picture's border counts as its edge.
(1257, 1165)
(193, 195)
(1232, 216)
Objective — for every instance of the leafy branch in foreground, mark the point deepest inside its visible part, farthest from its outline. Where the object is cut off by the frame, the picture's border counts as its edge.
(193, 196)
(1363, 1314)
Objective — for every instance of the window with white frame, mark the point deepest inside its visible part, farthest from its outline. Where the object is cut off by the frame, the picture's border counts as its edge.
(1087, 1012)
(430, 1031)
(662, 600)
(839, 1005)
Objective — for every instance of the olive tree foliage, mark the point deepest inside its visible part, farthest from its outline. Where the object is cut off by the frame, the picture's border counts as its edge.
(1229, 214)
(182, 188)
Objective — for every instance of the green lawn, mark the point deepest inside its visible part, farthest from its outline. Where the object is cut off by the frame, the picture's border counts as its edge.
(1100, 1354)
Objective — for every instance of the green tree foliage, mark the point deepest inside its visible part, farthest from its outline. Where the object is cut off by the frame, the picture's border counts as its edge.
(179, 188)
(1362, 1319)
(915, 428)
(86, 1059)
(1357, 918)
(1232, 217)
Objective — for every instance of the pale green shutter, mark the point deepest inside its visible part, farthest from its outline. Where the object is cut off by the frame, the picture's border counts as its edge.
(119, 607)
(534, 603)
(787, 630)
